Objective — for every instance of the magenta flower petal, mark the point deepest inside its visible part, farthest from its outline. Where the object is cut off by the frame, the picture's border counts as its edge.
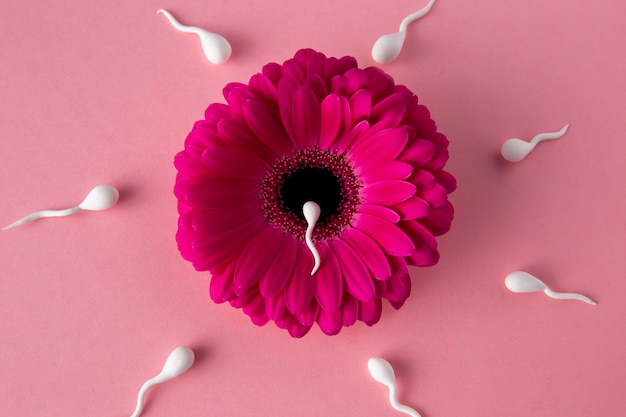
(345, 125)
(300, 288)
(190, 167)
(313, 61)
(398, 266)
(287, 87)
(306, 117)
(356, 276)
(346, 139)
(396, 289)
(330, 120)
(380, 171)
(226, 92)
(307, 317)
(216, 220)
(262, 87)
(438, 160)
(322, 130)
(419, 233)
(350, 310)
(297, 329)
(423, 255)
(423, 180)
(214, 113)
(211, 260)
(379, 83)
(239, 136)
(232, 163)
(334, 66)
(382, 212)
(264, 123)
(329, 289)
(273, 72)
(425, 244)
(233, 237)
(446, 180)
(330, 322)
(360, 105)
(369, 313)
(279, 272)
(317, 86)
(255, 309)
(370, 253)
(276, 308)
(436, 196)
(391, 238)
(339, 86)
(295, 69)
(222, 287)
(388, 114)
(413, 208)
(257, 257)
(357, 80)
(237, 95)
(389, 192)
(244, 297)
(219, 193)
(390, 101)
(419, 152)
(439, 221)
(385, 145)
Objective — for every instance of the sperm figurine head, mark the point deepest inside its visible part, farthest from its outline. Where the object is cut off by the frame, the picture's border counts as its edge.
(101, 197)
(381, 371)
(388, 47)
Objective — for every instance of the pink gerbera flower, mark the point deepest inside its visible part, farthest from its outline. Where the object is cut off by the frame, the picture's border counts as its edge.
(356, 146)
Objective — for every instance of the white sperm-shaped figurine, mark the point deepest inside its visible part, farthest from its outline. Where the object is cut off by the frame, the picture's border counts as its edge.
(388, 47)
(514, 150)
(179, 361)
(382, 372)
(215, 47)
(100, 197)
(311, 211)
(523, 282)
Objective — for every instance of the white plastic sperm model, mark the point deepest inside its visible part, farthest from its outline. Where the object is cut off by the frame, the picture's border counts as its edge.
(179, 361)
(523, 282)
(100, 197)
(311, 211)
(514, 150)
(215, 47)
(388, 47)
(382, 372)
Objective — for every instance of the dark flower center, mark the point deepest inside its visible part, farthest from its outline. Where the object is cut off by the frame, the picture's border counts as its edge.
(312, 184)
(314, 175)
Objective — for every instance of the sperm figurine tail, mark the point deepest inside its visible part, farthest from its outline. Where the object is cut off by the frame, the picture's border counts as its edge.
(393, 399)
(41, 214)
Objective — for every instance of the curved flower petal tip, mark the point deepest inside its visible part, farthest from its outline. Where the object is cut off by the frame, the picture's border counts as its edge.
(313, 130)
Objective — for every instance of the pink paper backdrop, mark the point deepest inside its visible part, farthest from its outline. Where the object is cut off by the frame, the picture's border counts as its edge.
(92, 304)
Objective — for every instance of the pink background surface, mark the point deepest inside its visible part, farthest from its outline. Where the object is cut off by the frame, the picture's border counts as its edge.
(92, 304)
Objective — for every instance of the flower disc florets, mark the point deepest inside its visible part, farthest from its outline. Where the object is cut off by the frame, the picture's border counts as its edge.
(311, 175)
